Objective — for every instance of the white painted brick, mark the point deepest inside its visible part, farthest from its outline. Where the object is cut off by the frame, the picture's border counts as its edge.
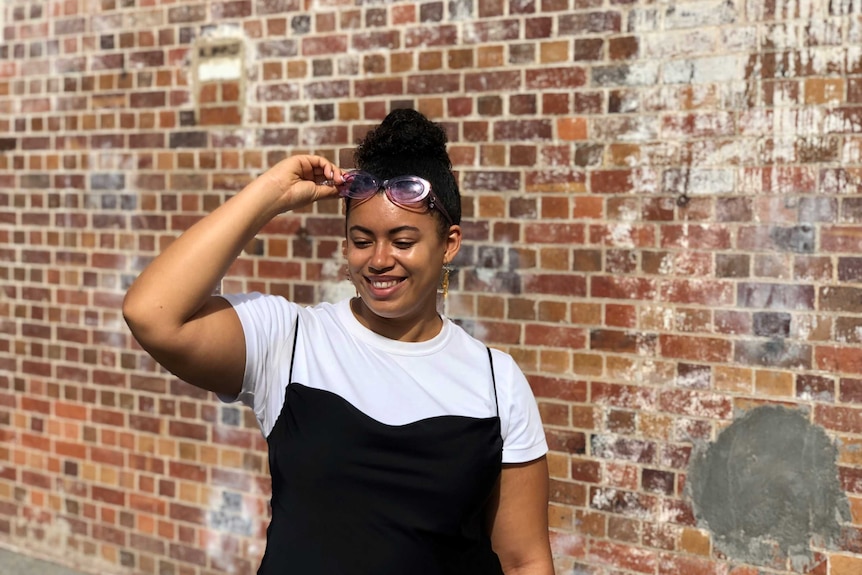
(755, 10)
(700, 14)
(637, 74)
(702, 181)
(755, 122)
(826, 60)
(668, 44)
(101, 23)
(823, 32)
(796, 35)
(806, 121)
(734, 95)
(854, 30)
(625, 128)
(838, 123)
(781, 36)
(713, 152)
(703, 70)
(739, 38)
(845, 7)
(644, 181)
(854, 53)
(670, 97)
(643, 20)
(145, 19)
(851, 151)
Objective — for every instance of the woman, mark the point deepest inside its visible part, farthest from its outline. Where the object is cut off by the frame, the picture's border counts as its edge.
(398, 444)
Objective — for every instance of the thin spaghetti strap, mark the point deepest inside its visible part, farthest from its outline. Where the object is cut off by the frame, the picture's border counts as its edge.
(493, 380)
(293, 350)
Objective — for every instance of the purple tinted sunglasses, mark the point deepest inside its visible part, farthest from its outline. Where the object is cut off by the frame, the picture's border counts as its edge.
(403, 191)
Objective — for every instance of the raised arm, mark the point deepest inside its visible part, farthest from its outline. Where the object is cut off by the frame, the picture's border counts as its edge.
(518, 518)
(169, 308)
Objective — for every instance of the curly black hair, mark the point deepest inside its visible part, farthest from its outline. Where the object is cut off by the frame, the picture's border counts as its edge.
(408, 143)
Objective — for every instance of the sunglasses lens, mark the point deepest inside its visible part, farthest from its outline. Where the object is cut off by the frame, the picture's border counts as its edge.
(358, 185)
(408, 190)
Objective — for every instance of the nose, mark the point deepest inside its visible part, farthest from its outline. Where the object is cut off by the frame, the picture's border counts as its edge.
(381, 259)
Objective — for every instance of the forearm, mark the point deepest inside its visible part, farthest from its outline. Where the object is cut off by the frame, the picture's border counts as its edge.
(177, 283)
(519, 519)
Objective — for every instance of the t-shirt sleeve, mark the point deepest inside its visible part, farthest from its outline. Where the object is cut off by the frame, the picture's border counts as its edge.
(268, 327)
(523, 434)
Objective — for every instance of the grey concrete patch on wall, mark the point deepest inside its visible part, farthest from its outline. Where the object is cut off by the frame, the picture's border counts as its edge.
(768, 487)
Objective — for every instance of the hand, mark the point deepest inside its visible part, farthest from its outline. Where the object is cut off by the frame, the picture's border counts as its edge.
(302, 180)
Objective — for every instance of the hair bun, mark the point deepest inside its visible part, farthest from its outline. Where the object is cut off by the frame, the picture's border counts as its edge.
(405, 132)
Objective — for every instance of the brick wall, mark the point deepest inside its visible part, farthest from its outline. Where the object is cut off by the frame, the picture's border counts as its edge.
(662, 221)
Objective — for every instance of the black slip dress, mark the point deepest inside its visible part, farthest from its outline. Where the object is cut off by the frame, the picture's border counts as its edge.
(354, 496)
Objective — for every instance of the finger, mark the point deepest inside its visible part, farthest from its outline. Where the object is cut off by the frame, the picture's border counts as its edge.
(333, 176)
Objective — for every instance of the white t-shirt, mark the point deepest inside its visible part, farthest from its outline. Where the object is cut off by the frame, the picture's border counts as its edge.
(391, 381)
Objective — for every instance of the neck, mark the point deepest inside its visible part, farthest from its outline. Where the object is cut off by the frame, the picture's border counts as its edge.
(409, 329)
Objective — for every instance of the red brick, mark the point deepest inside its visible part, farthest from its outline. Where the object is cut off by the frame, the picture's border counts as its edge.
(695, 237)
(552, 336)
(555, 78)
(838, 359)
(188, 430)
(677, 511)
(622, 341)
(567, 390)
(556, 284)
(624, 557)
(611, 287)
(567, 492)
(107, 495)
(844, 565)
(622, 235)
(612, 181)
(660, 536)
(710, 293)
(625, 396)
(703, 349)
(696, 404)
(625, 449)
(320, 46)
(585, 470)
(838, 418)
(554, 233)
(566, 441)
(568, 544)
(680, 565)
(623, 529)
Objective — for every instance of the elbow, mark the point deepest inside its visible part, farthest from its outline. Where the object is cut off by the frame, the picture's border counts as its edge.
(142, 322)
(130, 311)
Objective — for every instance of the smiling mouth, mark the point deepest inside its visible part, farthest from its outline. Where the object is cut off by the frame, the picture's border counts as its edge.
(383, 284)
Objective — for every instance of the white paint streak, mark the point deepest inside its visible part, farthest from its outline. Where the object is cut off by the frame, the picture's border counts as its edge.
(644, 181)
(621, 236)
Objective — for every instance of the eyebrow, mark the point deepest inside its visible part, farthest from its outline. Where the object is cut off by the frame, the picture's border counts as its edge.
(391, 232)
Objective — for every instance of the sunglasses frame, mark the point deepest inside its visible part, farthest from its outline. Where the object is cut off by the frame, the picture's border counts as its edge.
(386, 185)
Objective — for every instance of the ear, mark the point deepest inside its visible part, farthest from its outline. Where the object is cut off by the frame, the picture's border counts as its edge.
(344, 248)
(453, 243)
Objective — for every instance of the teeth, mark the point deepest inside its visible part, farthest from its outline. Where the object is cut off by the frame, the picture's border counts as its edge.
(383, 285)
